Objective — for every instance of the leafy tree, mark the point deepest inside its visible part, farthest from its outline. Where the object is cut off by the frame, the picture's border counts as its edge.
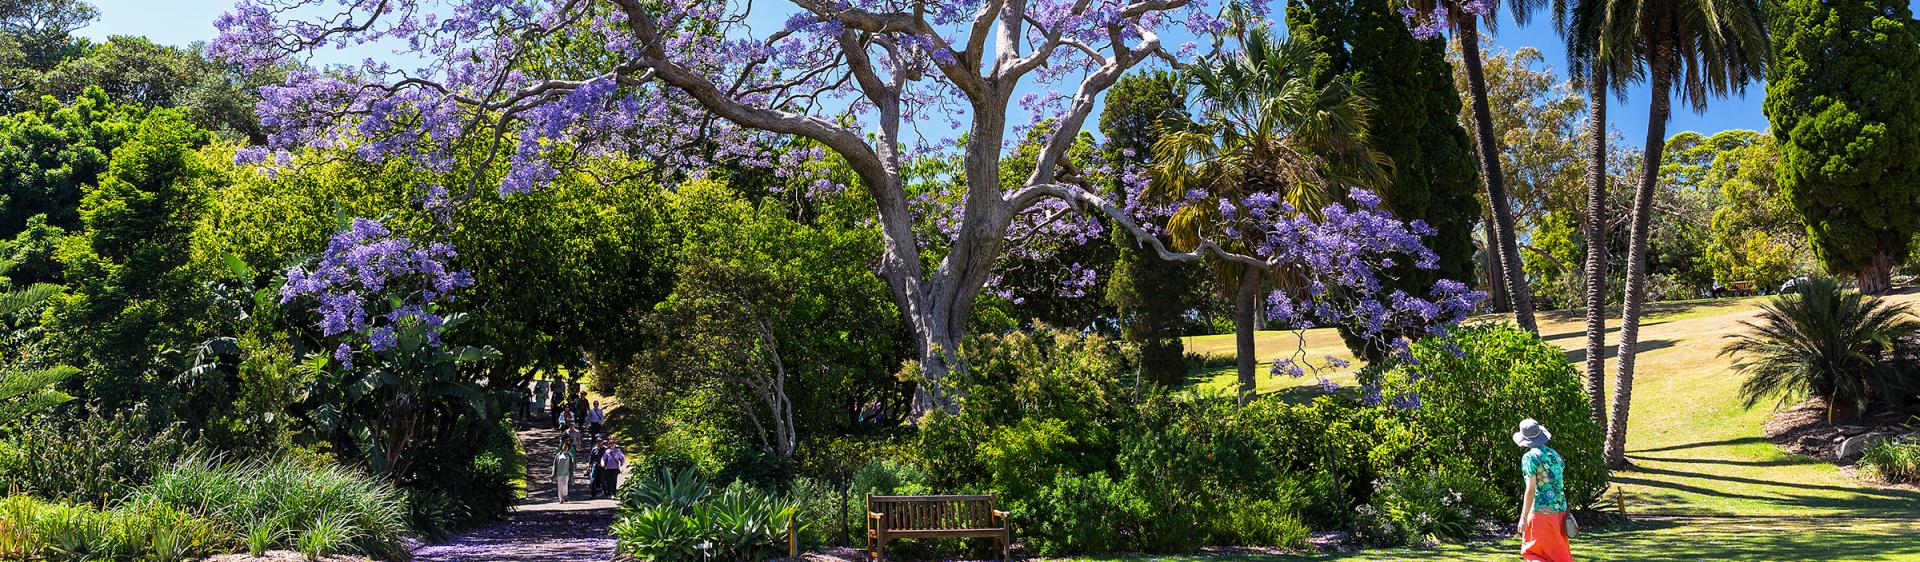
(1411, 88)
(678, 67)
(50, 154)
(1841, 102)
(134, 293)
(779, 323)
(35, 35)
(134, 70)
(1697, 48)
(1151, 295)
(1757, 233)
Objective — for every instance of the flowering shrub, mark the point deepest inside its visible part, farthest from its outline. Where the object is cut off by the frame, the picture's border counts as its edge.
(377, 294)
(1472, 389)
(374, 282)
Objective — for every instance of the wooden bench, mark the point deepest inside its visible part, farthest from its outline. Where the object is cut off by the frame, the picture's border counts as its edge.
(935, 517)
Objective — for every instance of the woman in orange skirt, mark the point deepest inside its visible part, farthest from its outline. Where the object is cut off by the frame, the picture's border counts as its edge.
(1543, 511)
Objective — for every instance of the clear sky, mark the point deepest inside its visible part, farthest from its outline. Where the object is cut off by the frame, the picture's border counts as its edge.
(185, 21)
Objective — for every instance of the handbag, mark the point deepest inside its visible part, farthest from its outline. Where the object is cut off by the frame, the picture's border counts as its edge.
(1572, 526)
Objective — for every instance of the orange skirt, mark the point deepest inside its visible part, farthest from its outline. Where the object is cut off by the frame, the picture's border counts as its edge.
(1546, 539)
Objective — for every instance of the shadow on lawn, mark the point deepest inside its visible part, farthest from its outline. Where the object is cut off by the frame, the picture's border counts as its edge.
(1578, 356)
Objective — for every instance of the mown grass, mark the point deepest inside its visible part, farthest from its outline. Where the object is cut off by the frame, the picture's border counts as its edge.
(1665, 540)
(1695, 450)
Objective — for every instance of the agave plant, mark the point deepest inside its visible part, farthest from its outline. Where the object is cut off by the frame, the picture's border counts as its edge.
(1828, 342)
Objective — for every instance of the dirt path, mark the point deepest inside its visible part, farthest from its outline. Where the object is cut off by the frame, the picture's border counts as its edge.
(539, 529)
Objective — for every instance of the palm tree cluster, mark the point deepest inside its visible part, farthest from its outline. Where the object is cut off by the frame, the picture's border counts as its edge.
(1695, 49)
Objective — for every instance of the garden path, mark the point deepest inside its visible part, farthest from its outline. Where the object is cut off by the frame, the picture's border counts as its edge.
(540, 529)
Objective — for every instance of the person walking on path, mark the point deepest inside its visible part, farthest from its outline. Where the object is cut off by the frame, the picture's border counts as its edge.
(540, 399)
(593, 468)
(1544, 522)
(563, 470)
(596, 419)
(611, 462)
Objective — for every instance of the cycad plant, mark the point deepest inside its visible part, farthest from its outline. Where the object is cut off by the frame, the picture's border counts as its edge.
(1828, 342)
(1265, 131)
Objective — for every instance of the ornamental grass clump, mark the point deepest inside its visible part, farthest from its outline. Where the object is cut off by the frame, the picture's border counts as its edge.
(1894, 460)
(272, 501)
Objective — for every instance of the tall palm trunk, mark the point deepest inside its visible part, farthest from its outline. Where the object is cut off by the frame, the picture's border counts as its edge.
(1597, 244)
(1246, 303)
(1496, 286)
(1657, 113)
(1506, 245)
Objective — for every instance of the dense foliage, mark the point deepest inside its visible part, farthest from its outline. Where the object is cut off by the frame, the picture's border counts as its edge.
(1847, 147)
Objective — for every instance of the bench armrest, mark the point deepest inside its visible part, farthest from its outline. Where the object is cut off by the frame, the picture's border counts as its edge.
(871, 516)
(1001, 514)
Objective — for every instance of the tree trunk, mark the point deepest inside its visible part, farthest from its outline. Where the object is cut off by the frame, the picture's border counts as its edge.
(1877, 278)
(1507, 246)
(1616, 448)
(1596, 228)
(1245, 303)
(1496, 287)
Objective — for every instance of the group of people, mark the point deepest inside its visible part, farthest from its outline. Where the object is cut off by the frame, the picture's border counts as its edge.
(582, 425)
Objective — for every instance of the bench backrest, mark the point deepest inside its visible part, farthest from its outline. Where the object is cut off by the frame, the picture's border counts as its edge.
(930, 513)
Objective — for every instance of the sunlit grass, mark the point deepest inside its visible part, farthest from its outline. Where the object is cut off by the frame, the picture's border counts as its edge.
(1696, 450)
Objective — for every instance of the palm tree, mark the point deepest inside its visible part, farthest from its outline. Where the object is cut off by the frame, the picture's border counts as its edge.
(1700, 48)
(1464, 18)
(1825, 341)
(1600, 42)
(1264, 128)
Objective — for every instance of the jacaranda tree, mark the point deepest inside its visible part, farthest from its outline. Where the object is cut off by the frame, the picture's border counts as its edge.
(688, 83)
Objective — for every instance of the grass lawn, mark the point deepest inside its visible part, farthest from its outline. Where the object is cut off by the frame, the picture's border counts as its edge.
(1664, 540)
(1696, 451)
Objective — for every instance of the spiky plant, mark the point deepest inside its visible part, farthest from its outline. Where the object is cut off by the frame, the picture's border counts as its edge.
(1828, 342)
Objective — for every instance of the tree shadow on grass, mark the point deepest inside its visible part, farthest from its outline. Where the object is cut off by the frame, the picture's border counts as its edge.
(1580, 355)
(1799, 461)
(1701, 444)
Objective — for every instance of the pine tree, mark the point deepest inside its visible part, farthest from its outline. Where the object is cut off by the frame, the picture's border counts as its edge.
(1847, 117)
(1152, 295)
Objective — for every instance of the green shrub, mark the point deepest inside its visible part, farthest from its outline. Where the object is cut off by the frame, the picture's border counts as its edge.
(819, 502)
(665, 517)
(1412, 507)
(97, 458)
(1263, 523)
(1893, 460)
(1024, 457)
(465, 483)
(1472, 390)
(241, 495)
(882, 477)
(1081, 514)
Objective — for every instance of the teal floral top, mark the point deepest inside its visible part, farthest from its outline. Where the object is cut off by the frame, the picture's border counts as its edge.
(1545, 465)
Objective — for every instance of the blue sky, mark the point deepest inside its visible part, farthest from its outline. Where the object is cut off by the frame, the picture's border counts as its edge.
(185, 21)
